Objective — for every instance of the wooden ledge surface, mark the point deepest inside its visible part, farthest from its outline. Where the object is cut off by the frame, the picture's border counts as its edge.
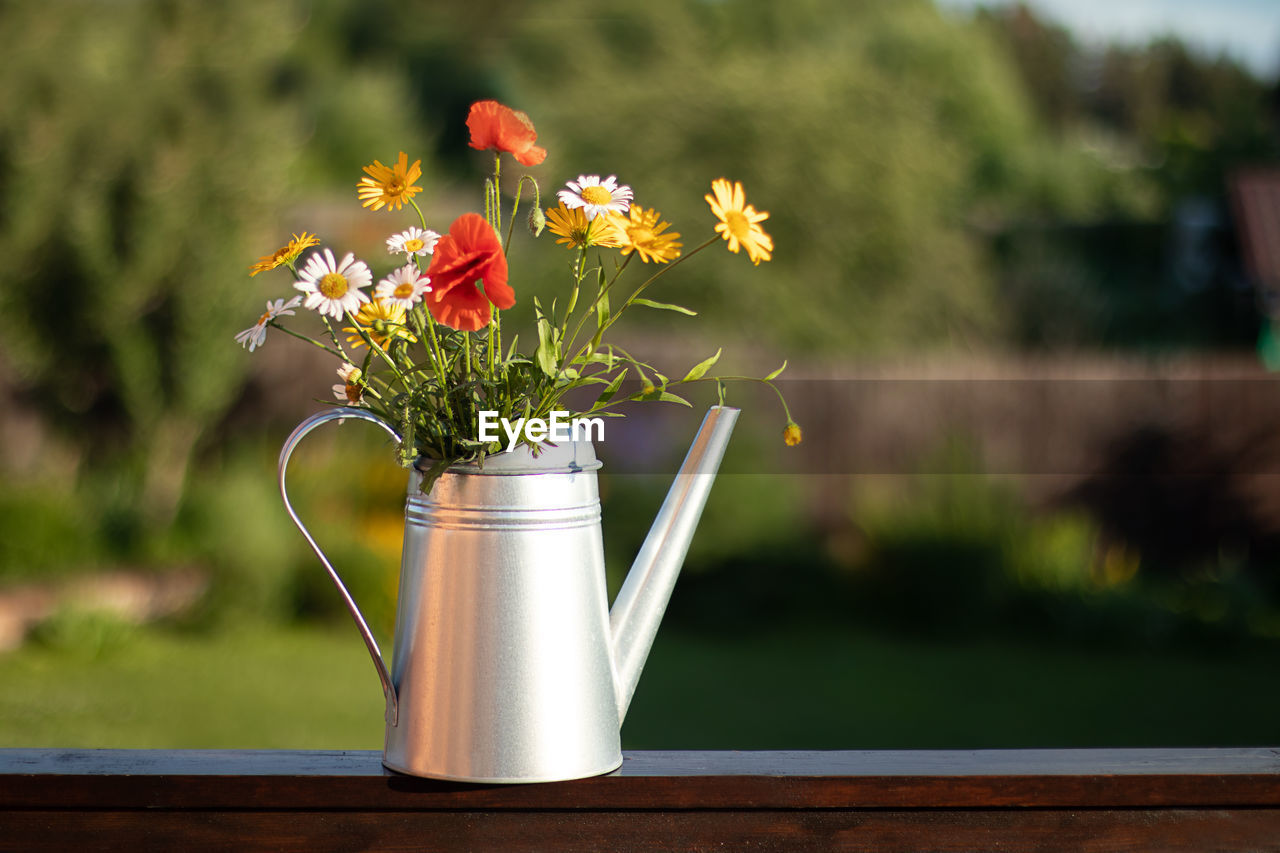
(1079, 778)
(951, 800)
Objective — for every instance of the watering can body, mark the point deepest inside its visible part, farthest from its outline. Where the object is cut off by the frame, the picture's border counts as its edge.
(509, 665)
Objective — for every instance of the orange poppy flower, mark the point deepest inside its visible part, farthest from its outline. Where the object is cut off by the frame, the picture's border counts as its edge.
(468, 273)
(494, 126)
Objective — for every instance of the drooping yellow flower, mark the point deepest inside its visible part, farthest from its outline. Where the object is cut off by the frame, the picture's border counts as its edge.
(576, 231)
(285, 254)
(646, 235)
(351, 388)
(383, 320)
(389, 186)
(739, 222)
(792, 435)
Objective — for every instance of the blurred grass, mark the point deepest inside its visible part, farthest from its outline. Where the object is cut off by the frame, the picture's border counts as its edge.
(825, 686)
(264, 687)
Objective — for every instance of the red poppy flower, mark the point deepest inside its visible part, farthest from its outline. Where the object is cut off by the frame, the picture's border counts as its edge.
(494, 126)
(468, 272)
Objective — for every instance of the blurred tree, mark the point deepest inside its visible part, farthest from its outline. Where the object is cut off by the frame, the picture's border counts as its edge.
(883, 138)
(1185, 119)
(145, 151)
(869, 131)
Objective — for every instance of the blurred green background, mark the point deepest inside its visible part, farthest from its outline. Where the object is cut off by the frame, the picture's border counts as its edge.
(1028, 334)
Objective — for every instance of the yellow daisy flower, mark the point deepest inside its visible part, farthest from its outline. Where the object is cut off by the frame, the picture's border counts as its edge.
(576, 230)
(389, 186)
(739, 222)
(383, 320)
(644, 234)
(285, 254)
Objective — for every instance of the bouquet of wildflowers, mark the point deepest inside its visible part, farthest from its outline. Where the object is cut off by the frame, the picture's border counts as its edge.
(426, 349)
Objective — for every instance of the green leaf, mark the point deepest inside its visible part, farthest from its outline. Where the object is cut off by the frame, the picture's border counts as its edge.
(665, 306)
(602, 303)
(700, 369)
(607, 394)
(776, 372)
(548, 354)
(573, 302)
(608, 359)
(433, 473)
(668, 397)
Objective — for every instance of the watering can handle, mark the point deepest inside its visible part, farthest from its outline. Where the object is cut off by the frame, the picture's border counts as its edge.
(338, 414)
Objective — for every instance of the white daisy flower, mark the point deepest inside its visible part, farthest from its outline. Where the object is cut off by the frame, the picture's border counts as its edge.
(349, 391)
(595, 196)
(256, 335)
(334, 288)
(404, 287)
(413, 242)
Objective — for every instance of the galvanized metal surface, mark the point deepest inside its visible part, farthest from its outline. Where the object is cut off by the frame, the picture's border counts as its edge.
(338, 414)
(643, 598)
(508, 667)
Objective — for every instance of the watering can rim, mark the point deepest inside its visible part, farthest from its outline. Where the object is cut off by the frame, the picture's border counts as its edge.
(569, 457)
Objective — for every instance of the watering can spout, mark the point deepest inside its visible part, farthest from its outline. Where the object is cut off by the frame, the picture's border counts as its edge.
(644, 595)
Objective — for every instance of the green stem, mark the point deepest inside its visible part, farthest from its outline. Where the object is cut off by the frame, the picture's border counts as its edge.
(489, 354)
(515, 208)
(511, 226)
(591, 309)
(635, 293)
(421, 218)
(651, 279)
(275, 325)
(497, 193)
(333, 336)
(374, 348)
(496, 344)
(438, 359)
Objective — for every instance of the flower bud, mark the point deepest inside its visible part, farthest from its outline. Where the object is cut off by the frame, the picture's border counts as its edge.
(537, 220)
(792, 435)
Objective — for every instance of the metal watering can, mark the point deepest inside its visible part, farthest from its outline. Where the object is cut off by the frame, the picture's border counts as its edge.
(509, 665)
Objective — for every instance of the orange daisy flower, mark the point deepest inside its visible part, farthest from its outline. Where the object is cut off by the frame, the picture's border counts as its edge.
(646, 234)
(389, 186)
(739, 222)
(285, 254)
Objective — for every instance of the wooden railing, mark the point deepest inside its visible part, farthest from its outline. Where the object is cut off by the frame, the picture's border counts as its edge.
(1114, 799)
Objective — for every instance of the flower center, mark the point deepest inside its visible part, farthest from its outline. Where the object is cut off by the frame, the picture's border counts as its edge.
(413, 244)
(739, 225)
(403, 290)
(333, 286)
(281, 255)
(262, 321)
(640, 235)
(395, 186)
(596, 195)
